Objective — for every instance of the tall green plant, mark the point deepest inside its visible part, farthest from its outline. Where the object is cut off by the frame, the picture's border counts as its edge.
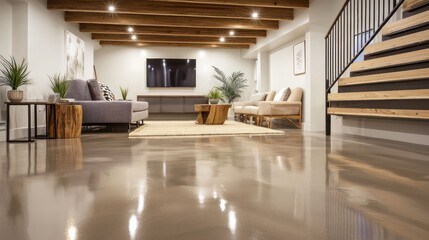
(124, 92)
(14, 74)
(60, 84)
(232, 86)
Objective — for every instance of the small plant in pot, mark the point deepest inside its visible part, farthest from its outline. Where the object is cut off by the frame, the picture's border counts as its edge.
(124, 92)
(15, 75)
(214, 96)
(60, 84)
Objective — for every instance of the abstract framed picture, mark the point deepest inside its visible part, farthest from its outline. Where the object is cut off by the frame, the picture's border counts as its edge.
(75, 56)
(299, 58)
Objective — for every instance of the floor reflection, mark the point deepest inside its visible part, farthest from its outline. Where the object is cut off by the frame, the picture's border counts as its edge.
(106, 186)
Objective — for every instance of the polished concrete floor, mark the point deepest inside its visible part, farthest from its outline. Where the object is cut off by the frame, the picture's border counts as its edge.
(298, 186)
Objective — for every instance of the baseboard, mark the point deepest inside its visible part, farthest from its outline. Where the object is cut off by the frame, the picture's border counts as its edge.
(18, 133)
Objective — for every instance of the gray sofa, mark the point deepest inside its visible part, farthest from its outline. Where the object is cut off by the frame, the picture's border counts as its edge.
(102, 112)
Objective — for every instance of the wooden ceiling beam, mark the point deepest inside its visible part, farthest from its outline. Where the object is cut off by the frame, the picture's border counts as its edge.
(253, 3)
(150, 44)
(169, 31)
(169, 21)
(172, 9)
(176, 39)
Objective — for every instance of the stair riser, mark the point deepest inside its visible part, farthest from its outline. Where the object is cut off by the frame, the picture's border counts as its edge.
(416, 11)
(405, 33)
(422, 104)
(419, 46)
(392, 69)
(406, 85)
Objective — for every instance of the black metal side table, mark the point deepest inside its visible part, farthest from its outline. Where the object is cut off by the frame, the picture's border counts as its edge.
(29, 104)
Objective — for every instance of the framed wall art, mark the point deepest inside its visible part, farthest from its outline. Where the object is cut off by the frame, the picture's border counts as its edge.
(75, 56)
(299, 58)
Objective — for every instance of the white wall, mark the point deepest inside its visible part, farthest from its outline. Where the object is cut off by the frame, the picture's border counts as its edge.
(126, 67)
(28, 30)
(5, 43)
(46, 44)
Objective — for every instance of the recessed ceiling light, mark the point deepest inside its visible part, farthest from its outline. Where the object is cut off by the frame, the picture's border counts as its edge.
(222, 39)
(255, 15)
(130, 29)
(231, 33)
(111, 8)
(133, 37)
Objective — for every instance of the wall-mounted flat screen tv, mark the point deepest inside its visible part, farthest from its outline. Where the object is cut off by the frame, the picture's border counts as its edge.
(162, 72)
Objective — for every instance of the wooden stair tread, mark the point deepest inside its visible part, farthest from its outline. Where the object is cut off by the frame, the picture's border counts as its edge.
(410, 5)
(392, 61)
(373, 112)
(397, 43)
(418, 74)
(379, 95)
(406, 23)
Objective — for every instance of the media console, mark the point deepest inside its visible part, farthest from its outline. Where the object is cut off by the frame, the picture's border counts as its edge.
(172, 103)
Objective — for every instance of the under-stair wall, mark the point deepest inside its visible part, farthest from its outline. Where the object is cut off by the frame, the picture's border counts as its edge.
(387, 94)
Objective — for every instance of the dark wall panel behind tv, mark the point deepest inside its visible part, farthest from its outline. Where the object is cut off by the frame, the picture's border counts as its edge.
(162, 72)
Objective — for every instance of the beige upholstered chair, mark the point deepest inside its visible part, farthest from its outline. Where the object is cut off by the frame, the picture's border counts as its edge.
(274, 107)
(291, 109)
(241, 108)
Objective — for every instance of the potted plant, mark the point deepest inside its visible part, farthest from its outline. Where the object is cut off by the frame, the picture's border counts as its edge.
(232, 86)
(15, 75)
(60, 84)
(214, 96)
(124, 92)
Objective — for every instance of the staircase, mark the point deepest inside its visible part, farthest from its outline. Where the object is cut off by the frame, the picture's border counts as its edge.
(393, 79)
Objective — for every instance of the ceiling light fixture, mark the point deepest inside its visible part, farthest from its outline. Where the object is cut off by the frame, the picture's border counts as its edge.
(130, 29)
(255, 15)
(111, 8)
(231, 33)
(222, 39)
(133, 37)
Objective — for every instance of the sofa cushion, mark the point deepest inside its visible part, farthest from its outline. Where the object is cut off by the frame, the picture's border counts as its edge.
(79, 90)
(286, 94)
(255, 98)
(94, 89)
(280, 95)
(252, 110)
(270, 95)
(296, 95)
(140, 106)
(107, 93)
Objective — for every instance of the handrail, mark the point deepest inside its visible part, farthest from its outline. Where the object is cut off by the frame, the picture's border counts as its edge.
(357, 24)
(354, 28)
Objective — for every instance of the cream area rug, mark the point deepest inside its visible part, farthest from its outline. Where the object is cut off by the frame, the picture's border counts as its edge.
(190, 128)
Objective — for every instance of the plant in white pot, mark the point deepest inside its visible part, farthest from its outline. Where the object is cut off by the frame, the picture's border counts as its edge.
(14, 75)
(214, 96)
(60, 84)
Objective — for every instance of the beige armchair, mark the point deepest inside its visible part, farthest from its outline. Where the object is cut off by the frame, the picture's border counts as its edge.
(274, 107)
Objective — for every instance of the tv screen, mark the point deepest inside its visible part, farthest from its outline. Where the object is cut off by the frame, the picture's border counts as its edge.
(171, 72)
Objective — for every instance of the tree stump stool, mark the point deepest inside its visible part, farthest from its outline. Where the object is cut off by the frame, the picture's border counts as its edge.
(67, 122)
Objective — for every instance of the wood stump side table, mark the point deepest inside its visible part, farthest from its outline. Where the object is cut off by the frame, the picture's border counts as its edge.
(68, 120)
(212, 114)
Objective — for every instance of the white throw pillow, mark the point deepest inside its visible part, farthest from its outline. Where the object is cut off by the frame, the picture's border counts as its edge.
(279, 95)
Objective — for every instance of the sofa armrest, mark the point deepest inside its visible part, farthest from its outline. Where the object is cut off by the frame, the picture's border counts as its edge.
(273, 108)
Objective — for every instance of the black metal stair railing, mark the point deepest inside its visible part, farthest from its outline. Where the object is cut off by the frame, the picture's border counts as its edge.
(357, 24)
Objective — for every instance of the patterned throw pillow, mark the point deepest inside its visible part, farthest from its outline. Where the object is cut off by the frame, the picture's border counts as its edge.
(108, 95)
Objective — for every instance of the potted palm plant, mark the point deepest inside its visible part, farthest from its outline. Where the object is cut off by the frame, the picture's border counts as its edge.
(15, 75)
(60, 84)
(214, 96)
(232, 86)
